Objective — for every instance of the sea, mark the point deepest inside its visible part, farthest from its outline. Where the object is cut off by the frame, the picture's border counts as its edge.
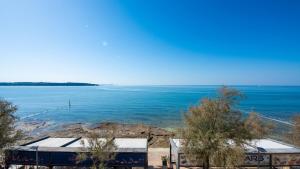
(162, 106)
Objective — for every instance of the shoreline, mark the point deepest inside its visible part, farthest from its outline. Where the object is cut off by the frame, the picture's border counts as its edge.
(157, 137)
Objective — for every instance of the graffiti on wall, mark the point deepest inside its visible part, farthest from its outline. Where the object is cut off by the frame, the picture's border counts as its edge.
(286, 159)
(261, 159)
(255, 159)
(250, 160)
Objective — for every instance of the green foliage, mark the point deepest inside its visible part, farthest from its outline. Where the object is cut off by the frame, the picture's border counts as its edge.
(215, 132)
(8, 134)
(99, 150)
(257, 127)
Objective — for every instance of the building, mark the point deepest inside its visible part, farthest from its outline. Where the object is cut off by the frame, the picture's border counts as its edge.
(50, 152)
(261, 153)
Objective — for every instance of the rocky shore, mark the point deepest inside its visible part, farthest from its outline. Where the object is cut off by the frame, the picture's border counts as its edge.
(157, 137)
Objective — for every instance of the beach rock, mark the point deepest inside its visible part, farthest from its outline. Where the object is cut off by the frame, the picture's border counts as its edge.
(157, 137)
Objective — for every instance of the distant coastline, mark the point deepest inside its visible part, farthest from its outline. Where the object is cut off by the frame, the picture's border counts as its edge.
(46, 84)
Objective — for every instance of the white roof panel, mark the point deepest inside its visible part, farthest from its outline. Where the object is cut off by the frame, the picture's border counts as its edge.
(52, 142)
(131, 143)
(177, 142)
(267, 144)
(120, 143)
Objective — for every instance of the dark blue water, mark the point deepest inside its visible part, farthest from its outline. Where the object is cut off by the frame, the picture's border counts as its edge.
(157, 105)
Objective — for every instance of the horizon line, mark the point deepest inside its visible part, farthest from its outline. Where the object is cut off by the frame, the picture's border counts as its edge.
(116, 84)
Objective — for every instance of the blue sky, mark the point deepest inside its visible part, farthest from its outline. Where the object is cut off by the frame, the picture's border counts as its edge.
(133, 42)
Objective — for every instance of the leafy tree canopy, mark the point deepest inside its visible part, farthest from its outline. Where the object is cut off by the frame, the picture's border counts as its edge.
(8, 134)
(99, 150)
(215, 131)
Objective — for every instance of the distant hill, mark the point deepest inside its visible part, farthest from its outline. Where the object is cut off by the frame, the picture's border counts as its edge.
(45, 84)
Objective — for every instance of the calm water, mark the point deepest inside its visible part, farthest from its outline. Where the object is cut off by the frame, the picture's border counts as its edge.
(157, 105)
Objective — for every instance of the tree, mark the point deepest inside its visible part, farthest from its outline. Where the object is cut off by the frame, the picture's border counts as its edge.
(215, 132)
(296, 130)
(257, 127)
(8, 133)
(99, 150)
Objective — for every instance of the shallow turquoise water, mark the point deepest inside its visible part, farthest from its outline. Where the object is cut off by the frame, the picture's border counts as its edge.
(157, 105)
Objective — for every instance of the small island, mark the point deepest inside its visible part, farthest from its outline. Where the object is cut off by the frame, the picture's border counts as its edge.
(46, 84)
